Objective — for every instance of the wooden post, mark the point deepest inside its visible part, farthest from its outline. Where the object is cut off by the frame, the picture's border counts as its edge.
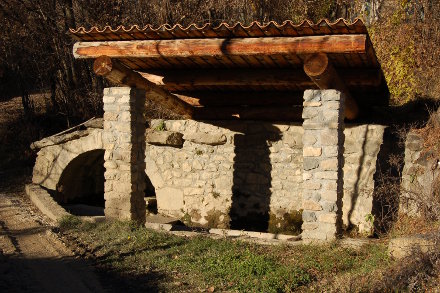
(119, 74)
(324, 75)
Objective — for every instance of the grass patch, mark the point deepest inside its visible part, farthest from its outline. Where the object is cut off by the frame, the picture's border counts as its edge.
(69, 222)
(201, 263)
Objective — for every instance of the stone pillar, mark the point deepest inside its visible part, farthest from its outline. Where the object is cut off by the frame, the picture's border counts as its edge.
(124, 144)
(323, 148)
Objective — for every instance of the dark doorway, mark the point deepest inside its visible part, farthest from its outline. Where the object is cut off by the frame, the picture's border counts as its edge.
(81, 187)
(252, 180)
(150, 197)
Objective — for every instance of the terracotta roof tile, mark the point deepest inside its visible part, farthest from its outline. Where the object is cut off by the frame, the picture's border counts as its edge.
(255, 29)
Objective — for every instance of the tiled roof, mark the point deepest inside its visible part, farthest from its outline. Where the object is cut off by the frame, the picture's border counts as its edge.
(357, 63)
(224, 30)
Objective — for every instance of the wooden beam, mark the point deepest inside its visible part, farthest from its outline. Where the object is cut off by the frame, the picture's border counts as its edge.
(217, 47)
(324, 75)
(274, 113)
(119, 74)
(240, 98)
(255, 77)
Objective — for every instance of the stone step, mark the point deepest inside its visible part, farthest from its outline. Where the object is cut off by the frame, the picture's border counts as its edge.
(160, 219)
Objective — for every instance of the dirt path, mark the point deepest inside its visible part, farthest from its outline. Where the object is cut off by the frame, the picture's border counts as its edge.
(33, 258)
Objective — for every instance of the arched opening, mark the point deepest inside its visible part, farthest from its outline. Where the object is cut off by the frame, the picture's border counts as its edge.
(81, 187)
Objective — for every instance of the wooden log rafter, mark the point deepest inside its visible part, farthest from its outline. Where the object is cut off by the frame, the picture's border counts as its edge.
(320, 70)
(217, 47)
(255, 77)
(119, 74)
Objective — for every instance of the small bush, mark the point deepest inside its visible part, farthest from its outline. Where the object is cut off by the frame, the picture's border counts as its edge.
(424, 194)
(161, 126)
(289, 223)
(69, 222)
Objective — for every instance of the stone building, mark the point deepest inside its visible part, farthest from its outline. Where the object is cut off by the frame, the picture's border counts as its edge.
(271, 135)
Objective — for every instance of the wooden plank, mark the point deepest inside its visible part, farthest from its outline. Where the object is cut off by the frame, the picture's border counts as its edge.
(238, 61)
(280, 61)
(119, 74)
(171, 63)
(129, 63)
(293, 60)
(222, 47)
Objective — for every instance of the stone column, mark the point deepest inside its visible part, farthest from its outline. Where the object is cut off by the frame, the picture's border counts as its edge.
(323, 148)
(124, 144)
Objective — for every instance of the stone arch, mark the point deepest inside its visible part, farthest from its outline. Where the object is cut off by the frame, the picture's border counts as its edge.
(82, 181)
(52, 160)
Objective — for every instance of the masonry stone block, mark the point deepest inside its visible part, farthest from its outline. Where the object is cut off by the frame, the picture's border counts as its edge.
(124, 152)
(327, 218)
(329, 164)
(312, 151)
(312, 205)
(206, 138)
(327, 152)
(312, 104)
(309, 216)
(329, 205)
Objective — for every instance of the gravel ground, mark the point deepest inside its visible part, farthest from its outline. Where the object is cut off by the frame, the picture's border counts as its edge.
(33, 258)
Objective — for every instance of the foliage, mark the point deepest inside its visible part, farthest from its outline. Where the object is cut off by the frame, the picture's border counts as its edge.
(426, 198)
(404, 38)
(289, 223)
(35, 51)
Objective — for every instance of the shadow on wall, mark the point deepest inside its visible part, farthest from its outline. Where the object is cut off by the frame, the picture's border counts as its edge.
(356, 186)
(387, 180)
(251, 190)
(252, 179)
(150, 196)
(82, 181)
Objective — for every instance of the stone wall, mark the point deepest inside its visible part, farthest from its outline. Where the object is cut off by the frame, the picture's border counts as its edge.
(221, 174)
(232, 172)
(228, 172)
(419, 175)
(362, 146)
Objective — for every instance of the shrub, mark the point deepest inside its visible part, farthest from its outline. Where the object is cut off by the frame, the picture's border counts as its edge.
(69, 222)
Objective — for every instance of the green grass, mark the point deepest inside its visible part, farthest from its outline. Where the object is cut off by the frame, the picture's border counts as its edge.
(69, 222)
(191, 264)
(160, 126)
